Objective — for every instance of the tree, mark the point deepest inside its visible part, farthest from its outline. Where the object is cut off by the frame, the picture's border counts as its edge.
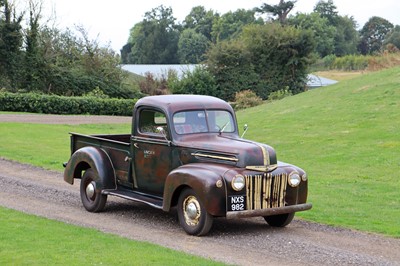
(230, 24)
(201, 21)
(280, 55)
(33, 60)
(393, 37)
(264, 59)
(280, 10)
(346, 36)
(322, 31)
(155, 39)
(327, 9)
(11, 39)
(230, 63)
(373, 35)
(192, 47)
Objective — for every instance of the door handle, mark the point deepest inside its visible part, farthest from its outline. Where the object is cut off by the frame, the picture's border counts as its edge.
(136, 145)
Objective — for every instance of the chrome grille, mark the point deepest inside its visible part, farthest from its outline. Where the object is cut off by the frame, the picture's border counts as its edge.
(265, 191)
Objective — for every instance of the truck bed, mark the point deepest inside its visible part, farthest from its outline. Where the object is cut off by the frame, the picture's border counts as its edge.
(117, 147)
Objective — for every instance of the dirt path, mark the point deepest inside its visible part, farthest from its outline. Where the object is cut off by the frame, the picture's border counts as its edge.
(242, 242)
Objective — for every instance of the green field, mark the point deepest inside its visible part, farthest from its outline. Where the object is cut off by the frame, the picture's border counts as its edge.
(30, 240)
(346, 136)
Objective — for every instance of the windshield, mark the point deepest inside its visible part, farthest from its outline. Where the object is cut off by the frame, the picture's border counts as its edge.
(201, 121)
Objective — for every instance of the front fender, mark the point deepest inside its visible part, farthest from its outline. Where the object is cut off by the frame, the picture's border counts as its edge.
(91, 157)
(202, 178)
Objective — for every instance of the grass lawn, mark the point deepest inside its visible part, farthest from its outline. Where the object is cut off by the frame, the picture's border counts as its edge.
(30, 240)
(347, 137)
(46, 145)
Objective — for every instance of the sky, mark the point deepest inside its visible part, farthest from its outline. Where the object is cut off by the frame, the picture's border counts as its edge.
(109, 22)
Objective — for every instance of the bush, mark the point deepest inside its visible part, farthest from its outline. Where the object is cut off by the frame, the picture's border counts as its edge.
(53, 104)
(245, 99)
(200, 81)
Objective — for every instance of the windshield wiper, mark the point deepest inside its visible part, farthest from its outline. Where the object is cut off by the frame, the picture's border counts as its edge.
(223, 128)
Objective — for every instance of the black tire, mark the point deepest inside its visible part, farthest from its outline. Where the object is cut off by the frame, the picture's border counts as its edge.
(280, 220)
(92, 199)
(192, 215)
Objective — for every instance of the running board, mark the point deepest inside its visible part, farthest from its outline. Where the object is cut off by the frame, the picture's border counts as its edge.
(129, 195)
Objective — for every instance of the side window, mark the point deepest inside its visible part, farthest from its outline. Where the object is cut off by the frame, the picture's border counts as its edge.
(150, 120)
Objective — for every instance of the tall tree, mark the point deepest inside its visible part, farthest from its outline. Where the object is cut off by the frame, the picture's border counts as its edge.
(200, 20)
(263, 59)
(192, 47)
(11, 39)
(321, 29)
(393, 38)
(280, 56)
(280, 10)
(327, 9)
(346, 36)
(230, 24)
(33, 59)
(155, 40)
(373, 34)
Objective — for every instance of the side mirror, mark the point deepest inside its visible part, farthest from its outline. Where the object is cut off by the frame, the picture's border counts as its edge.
(161, 130)
(245, 129)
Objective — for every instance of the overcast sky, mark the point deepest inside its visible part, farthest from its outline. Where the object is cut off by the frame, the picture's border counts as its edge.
(110, 21)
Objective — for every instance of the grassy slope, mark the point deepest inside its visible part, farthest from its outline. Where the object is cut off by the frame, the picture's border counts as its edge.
(347, 137)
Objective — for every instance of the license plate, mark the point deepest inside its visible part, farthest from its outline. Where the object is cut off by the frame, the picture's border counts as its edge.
(236, 203)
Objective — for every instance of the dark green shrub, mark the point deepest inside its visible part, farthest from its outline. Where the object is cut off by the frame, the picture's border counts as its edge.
(53, 104)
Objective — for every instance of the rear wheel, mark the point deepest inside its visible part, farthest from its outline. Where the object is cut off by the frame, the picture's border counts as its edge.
(91, 197)
(280, 220)
(192, 215)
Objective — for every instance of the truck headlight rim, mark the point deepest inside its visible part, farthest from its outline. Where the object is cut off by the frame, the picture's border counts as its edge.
(238, 182)
(294, 179)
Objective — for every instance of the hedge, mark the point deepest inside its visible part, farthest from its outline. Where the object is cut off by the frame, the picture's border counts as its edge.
(54, 104)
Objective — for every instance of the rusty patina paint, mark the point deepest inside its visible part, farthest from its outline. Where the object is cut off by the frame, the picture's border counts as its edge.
(160, 164)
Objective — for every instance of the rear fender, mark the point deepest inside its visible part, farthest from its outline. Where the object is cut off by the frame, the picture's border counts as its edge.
(202, 178)
(95, 158)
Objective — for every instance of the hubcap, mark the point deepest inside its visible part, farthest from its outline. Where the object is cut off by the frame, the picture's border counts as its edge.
(191, 208)
(90, 190)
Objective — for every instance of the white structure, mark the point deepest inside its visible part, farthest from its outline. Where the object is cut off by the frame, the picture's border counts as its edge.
(158, 70)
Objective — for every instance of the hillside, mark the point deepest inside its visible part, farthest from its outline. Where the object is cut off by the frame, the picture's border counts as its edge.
(347, 137)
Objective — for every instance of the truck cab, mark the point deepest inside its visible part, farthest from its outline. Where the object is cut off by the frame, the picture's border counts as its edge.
(185, 151)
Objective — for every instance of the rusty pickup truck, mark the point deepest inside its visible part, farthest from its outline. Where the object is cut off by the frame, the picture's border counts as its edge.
(185, 152)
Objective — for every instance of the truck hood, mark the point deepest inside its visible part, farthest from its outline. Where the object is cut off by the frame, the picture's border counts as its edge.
(227, 149)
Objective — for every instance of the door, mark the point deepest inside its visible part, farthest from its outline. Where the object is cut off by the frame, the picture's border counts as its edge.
(152, 151)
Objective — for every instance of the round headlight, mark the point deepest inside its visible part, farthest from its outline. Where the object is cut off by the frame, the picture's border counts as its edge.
(294, 179)
(304, 177)
(238, 182)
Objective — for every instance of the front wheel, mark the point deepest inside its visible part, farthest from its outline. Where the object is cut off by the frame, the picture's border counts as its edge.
(280, 220)
(92, 199)
(192, 215)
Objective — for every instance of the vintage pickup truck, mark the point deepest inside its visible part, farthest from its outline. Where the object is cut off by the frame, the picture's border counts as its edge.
(185, 152)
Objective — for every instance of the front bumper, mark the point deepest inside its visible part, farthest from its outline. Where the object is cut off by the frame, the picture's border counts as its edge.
(269, 211)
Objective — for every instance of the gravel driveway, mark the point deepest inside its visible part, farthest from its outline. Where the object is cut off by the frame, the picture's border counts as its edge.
(242, 242)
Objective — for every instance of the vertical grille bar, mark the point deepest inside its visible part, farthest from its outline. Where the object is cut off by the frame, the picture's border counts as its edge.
(265, 191)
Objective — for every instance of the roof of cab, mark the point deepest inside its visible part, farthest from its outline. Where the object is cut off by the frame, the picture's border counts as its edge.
(177, 102)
